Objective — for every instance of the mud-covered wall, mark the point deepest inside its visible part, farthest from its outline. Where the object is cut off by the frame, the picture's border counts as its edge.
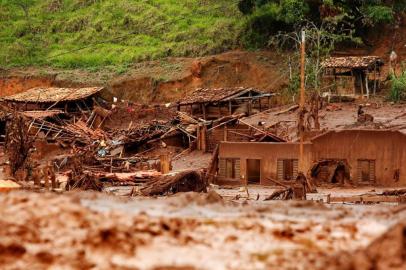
(387, 148)
(268, 153)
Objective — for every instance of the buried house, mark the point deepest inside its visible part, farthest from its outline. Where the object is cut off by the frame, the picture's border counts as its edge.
(210, 104)
(358, 157)
(352, 75)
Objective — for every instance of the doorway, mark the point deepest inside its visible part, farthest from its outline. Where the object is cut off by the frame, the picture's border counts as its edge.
(253, 171)
(331, 171)
(2, 130)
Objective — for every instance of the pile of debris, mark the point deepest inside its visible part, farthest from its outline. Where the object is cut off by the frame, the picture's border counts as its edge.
(94, 148)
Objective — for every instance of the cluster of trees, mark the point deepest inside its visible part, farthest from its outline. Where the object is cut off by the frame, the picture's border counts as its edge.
(349, 17)
(278, 23)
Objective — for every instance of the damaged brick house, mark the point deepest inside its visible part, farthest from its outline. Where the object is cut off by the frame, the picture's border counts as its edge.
(352, 75)
(357, 157)
(209, 104)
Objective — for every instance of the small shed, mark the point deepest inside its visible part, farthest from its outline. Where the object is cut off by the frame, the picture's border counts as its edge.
(67, 99)
(352, 75)
(211, 104)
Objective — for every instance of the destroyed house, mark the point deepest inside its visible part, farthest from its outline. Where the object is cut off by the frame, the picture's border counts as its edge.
(355, 157)
(65, 99)
(237, 131)
(352, 75)
(210, 104)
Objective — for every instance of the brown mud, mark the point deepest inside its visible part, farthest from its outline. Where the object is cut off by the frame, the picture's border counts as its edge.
(191, 231)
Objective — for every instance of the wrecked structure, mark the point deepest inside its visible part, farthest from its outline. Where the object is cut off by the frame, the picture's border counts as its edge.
(352, 75)
(47, 98)
(209, 104)
(355, 157)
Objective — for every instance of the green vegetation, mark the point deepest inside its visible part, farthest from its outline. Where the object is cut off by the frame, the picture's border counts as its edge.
(94, 34)
(350, 18)
(398, 87)
(113, 33)
(278, 24)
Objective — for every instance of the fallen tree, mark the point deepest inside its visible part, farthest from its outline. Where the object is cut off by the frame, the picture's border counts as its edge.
(173, 183)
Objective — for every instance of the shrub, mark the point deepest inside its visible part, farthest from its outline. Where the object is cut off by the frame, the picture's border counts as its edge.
(398, 87)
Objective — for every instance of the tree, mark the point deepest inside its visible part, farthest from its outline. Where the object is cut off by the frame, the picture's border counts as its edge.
(320, 41)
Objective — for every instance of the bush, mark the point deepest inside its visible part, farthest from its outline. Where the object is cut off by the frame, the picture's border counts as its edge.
(398, 87)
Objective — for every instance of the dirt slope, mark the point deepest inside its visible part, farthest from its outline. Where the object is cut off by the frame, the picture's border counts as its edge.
(161, 81)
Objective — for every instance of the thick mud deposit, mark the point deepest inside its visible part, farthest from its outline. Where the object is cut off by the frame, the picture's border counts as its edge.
(191, 231)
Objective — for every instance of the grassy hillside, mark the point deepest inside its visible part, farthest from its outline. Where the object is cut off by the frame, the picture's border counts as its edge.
(113, 33)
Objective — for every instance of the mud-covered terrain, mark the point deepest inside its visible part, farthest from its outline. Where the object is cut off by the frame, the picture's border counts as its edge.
(191, 231)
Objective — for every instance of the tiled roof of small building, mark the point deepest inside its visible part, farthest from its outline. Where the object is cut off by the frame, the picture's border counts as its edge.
(53, 94)
(206, 95)
(352, 62)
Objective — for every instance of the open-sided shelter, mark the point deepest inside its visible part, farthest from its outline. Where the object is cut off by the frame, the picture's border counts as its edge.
(352, 75)
(215, 103)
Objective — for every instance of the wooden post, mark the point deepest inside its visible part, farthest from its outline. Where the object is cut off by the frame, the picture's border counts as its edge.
(302, 95)
(375, 80)
(302, 70)
(269, 102)
(165, 164)
(204, 111)
(366, 84)
(198, 137)
(249, 107)
(203, 136)
(259, 100)
(230, 111)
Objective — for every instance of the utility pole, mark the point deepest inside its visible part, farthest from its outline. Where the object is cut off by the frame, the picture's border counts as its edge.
(302, 99)
(302, 69)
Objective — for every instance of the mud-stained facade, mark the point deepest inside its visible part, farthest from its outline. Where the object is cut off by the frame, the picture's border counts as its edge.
(373, 157)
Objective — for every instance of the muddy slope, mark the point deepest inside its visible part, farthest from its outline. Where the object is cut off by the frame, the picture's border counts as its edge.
(161, 81)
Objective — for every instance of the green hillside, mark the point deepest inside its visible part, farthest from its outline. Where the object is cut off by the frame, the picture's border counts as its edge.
(94, 33)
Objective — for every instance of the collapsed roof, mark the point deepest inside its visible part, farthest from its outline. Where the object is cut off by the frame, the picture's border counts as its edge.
(53, 94)
(207, 95)
(362, 62)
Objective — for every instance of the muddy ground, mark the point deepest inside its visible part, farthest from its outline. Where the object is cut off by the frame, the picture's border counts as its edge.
(187, 231)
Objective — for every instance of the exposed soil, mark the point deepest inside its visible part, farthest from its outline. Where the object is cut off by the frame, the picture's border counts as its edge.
(160, 81)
